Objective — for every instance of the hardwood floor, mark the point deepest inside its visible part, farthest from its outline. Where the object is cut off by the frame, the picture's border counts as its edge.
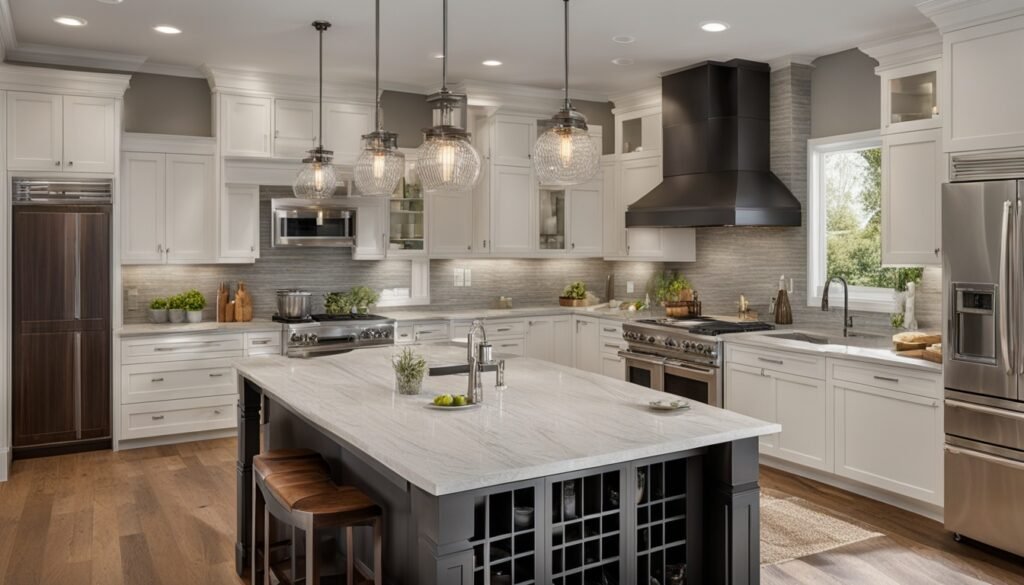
(914, 550)
(165, 515)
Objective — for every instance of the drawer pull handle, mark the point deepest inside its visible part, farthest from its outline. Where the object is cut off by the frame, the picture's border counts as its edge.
(770, 361)
(187, 346)
(158, 417)
(217, 411)
(504, 329)
(157, 380)
(612, 345)
(610, 330)
(260, 341)
(508, 345)
(216, 375)
(887, 379)
(426, 332)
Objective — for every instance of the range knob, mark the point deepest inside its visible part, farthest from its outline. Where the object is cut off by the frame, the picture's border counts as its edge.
(312, 339)
(670, 342)
(700, 348)
(387, 334)
(650, 339)
(295, 338)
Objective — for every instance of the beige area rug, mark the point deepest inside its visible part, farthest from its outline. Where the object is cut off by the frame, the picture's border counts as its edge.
(792, 528)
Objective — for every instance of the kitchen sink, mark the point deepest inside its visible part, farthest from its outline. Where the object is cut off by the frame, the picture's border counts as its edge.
(864, 340)
(796, 336)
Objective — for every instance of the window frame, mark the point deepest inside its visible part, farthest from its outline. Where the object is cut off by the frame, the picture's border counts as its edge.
(862, 298)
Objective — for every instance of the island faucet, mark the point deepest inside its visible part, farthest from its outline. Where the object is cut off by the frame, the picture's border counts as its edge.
(847, 319)
(475, 356)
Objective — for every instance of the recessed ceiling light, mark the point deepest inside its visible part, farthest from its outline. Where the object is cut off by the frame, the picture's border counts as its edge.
(167, 29)
(70, 21)
(624, 39)
(492, 63)
(623, 61)
(714, 26)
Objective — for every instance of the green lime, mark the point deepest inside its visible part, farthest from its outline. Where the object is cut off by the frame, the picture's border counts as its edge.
(460, 400)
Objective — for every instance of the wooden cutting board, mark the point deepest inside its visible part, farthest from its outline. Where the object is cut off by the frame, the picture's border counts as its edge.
(922, 354)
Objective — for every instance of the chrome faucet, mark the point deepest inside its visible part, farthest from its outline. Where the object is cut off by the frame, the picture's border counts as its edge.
(477, 354)
(847, 319)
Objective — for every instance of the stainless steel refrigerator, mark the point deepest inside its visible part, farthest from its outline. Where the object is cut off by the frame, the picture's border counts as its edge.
(983, 365)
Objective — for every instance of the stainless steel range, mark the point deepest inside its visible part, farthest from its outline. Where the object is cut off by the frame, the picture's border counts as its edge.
(680, 356)
(330, 334)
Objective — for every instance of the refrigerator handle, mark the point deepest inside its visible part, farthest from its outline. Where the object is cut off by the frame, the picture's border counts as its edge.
(1004, 296)
(1018, 285)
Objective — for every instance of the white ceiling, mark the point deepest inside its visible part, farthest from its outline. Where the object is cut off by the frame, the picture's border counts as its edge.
(276, 36)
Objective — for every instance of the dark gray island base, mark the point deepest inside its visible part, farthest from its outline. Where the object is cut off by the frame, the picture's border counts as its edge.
(632, 522)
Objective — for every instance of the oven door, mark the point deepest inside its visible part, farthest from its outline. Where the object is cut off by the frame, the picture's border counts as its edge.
(693, 381)
(644, 370)
(299, 223)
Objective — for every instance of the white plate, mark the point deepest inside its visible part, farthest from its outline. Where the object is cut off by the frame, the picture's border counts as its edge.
(668, 405)
(438, 407)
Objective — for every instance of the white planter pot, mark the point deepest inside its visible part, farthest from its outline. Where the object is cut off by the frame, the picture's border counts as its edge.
(195, 316)
(157, 315)
(176, 315)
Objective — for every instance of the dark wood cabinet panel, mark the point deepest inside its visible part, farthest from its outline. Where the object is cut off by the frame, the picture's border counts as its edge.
(94, 260)
(95, 385)
(44, 266)
(43, 401)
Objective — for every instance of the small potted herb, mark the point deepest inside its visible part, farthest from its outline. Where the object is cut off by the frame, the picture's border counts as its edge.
(176, 308)
(362, 297)
(409, 370)
(337, 303)
(574, 295)
(673, 291)
(193, 302)
(158, 311)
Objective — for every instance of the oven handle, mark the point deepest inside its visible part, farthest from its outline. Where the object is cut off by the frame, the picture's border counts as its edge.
(676, 365)
(642, 358)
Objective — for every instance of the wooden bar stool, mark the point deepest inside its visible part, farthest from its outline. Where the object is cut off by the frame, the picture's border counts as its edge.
(295, 487)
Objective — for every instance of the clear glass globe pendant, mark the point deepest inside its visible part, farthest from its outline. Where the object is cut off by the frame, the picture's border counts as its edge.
(380, 166)
(317, 179)
(566, 154)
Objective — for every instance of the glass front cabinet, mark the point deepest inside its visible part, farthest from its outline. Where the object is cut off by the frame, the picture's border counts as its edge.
(910, 97)
(569, 220)
(407, 213)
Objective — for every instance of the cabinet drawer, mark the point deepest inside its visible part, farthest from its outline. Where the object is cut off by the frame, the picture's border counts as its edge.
(176, 380)
(170, 417)
(404, 334)
(508, 347)
(610, 346)
(899, 379)
(460, 329)
(611, 329)
(504, 329)
(262, 340)
(430, 332)
(797, 364)
(181, 347)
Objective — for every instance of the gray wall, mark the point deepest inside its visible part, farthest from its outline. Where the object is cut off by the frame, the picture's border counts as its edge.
(600, 113)
(163, 104)
(845, 94)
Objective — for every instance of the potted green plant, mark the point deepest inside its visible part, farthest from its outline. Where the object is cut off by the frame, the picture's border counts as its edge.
(336, 303)
(193, 302)
(673, 291)
(158, 310)
(409, 370)
(176, 308)
(574, 295)
(362, 297)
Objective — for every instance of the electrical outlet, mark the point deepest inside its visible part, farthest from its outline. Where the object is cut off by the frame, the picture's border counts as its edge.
(133, 298)
(630, 287)
(460, 277)
(469, 277)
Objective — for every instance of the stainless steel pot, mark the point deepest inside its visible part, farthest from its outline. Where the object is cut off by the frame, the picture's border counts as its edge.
(294, 304)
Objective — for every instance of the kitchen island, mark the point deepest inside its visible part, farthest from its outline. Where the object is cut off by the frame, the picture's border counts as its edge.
(566, 477)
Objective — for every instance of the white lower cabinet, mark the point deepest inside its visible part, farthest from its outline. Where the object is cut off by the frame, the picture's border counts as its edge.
(587, 347)
(550, 339)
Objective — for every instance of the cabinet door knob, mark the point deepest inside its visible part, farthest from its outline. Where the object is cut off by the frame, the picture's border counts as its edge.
(71, 163)
(937, 250)
(252, 248)
(56, 163)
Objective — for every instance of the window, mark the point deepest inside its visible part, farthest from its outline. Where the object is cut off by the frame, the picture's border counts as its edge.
(844, 235)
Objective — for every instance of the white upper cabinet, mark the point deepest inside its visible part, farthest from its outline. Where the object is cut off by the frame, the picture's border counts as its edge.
(245, 125)
(639, 177)
(240, 223)
(344, 126)
(913, 171)
(191, 209)
(371, 228)
(142, 208)
(295, 128)
(983, 80)
(48, 132)
(513, 138)
(511, 204)
(911, 97)
(586, 204)
(450, 223)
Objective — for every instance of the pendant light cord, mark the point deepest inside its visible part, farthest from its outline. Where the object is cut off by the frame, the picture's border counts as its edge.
(376, 87)
(321, 106)
(444, 48)
(568, 104)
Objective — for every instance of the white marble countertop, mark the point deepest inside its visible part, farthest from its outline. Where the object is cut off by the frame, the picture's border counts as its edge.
(143, 329)
(551, 419)
(856, 350)
(406, 315)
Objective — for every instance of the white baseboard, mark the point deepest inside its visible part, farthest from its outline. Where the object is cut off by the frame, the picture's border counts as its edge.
(900, 501)
(5, 463)
(175, 439)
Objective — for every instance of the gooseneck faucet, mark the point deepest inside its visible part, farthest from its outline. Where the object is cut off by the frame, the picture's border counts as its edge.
(475, 358)
(847, 319)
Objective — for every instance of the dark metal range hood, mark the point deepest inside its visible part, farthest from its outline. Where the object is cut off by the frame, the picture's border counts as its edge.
(716, 152)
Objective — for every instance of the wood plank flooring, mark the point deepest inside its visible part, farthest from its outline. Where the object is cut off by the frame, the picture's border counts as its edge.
(165, 515)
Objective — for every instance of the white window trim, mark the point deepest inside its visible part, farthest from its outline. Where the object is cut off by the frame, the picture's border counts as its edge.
(862, 298)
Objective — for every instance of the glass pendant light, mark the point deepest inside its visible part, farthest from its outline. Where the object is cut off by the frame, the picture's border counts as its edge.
(380, 166)
(447, 159)
(565, 154)
(317, 179)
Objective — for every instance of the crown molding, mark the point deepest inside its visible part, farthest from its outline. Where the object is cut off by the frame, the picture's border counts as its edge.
(69, 57)
(524, 99)
(640, 99)
(171, 69)
(951, 15)
(44, 80)
(905, 49)
(235, 81)
(790, 60)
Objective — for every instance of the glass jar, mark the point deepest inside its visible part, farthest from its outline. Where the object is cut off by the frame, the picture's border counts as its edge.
(408, 386)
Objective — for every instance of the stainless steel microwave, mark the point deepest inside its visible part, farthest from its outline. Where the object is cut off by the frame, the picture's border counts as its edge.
(311, 223)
